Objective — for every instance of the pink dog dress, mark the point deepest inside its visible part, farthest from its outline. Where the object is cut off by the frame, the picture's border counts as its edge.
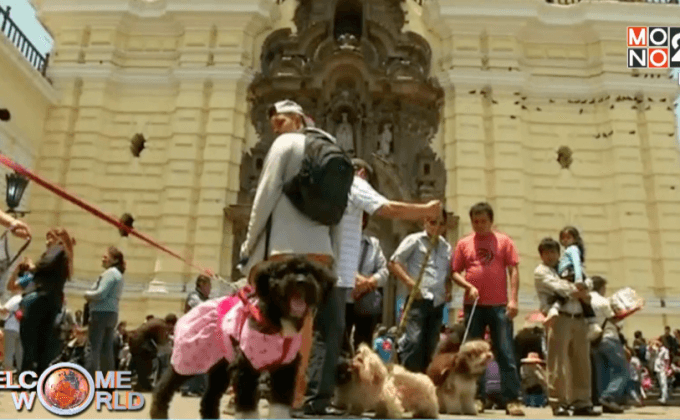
(204, 335)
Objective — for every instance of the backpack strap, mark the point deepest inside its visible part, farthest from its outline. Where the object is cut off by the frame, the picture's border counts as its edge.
(268, 234)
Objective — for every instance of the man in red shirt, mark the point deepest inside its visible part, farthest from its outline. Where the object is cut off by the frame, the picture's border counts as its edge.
(487, 257)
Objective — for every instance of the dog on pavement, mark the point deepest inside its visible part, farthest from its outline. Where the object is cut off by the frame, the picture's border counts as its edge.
(236, 338)
(456, 375)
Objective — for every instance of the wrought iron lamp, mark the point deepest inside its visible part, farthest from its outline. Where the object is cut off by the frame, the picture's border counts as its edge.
(16, 185)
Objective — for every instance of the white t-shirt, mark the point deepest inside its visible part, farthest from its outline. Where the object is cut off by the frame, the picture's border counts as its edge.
(12, 305)
(362, 198)
(635, 368)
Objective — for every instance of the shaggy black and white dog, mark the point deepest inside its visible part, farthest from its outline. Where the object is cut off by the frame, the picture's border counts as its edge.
(236, 338)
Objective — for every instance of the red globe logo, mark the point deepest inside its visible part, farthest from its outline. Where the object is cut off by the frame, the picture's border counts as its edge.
(65, 389)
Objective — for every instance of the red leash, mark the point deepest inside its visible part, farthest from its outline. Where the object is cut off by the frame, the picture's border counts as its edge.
(92, 209)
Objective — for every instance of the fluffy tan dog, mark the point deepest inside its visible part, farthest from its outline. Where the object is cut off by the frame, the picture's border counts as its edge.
(417, 392)
(367, 387)
(456, 374)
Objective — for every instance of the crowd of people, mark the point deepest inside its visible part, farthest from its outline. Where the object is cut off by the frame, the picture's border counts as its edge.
(581, 327)
(576, 357)
(40, 330)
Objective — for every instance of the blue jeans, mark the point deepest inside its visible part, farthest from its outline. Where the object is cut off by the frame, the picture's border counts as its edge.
(101, 332)
(501, 329)
(612, 370)
(329, 330)
(421, 335)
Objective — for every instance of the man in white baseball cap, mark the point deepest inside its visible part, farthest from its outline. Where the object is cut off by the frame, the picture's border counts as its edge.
(290, 231)
(287, 117)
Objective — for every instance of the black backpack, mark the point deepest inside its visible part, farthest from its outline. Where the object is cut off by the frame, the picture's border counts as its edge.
(321, 189)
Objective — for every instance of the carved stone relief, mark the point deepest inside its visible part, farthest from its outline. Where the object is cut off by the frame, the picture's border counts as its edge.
(369, 86)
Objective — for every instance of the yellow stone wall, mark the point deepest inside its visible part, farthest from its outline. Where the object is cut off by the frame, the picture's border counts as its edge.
(181, 79)
(622, 190)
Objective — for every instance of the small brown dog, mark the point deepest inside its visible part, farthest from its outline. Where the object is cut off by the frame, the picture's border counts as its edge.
(456, 374)
(367, 387)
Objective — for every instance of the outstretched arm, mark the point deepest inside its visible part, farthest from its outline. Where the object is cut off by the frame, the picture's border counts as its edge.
(410, 211)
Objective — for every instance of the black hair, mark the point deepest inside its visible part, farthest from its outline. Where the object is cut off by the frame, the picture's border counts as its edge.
(170, 319)
(202, 279)
(117, 259)
(548, 244)
(598, 283)
(482, 208)
(638, 334)
(577, 238)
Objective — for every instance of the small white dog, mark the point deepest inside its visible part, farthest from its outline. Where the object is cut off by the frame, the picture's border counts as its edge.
(367, 387)
(456, 376)
(372, 386)
(417, 392)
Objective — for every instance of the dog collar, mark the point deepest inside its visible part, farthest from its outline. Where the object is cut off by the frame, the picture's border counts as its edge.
(246, 296)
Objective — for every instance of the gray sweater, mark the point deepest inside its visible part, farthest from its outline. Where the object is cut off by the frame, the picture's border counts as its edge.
(292, 232)
(105, 294)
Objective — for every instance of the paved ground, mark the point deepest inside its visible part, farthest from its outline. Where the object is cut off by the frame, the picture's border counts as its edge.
(187, 408)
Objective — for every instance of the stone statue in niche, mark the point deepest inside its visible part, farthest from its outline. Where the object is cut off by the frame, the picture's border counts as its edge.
(385, 143)
(345, 135)
(348, 42)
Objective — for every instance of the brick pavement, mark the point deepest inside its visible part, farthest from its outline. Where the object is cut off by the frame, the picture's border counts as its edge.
(187, 408)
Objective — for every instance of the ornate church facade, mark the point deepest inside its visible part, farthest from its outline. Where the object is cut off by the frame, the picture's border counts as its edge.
(526, 104)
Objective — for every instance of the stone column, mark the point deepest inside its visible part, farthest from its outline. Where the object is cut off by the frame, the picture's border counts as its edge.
(183, 162)
(465, 149)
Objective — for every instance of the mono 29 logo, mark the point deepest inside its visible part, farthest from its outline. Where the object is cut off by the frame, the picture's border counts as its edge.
(653, 47)
(67, 389)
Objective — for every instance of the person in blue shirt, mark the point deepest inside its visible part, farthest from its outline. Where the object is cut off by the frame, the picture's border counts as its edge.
(104, 299)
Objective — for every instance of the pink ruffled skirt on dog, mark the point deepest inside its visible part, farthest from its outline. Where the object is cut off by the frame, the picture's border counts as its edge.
(204, 336)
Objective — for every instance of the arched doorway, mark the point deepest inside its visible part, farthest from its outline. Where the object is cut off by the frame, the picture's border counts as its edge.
(364, 80)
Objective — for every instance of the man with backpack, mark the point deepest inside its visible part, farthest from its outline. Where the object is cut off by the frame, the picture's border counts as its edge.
(301, 196)
(283, 219)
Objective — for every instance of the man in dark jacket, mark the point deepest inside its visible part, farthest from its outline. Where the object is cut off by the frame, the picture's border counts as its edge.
(39, 333)
(200, 294)
(670, 342)
(144, 343)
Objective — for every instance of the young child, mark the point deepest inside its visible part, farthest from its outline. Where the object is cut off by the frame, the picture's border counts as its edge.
(635, 369)
(662, 364)
(570, 267)
(534, 380)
